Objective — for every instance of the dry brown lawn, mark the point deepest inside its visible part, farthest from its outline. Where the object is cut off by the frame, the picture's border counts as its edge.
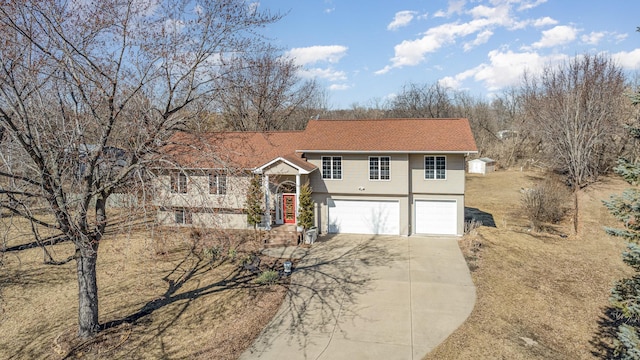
(172, 305)
(539, 296)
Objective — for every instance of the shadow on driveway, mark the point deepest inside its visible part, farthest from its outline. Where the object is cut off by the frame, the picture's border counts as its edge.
(369, 296)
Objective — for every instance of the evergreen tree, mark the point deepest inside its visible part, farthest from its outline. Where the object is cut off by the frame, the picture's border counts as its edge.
(305, 212)
(255, 202)
(625, 295)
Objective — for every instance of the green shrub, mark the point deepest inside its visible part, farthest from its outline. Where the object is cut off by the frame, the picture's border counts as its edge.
(211, 254)
(233, 254)
(268, 277)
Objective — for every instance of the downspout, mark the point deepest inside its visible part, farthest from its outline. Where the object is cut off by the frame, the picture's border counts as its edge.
(411, 216)
(297, 195)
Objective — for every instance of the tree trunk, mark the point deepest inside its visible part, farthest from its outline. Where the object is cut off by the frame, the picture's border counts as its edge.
(87, 289)
(575, 212)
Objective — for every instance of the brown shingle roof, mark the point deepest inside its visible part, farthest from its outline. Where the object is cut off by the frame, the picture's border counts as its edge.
(402, 135)
(253, 149)
(231, 149)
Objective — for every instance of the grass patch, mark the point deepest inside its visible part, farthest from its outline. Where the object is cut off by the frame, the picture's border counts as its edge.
(539, 295)
(268, 277)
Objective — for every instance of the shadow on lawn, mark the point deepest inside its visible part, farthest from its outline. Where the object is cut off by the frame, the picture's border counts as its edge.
(332, 274)
(112, 228)
(479, 216)
(194, 266)
(602, 341)
(187, 271)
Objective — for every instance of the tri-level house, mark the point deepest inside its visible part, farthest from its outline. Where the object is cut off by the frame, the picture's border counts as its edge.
(386, 176)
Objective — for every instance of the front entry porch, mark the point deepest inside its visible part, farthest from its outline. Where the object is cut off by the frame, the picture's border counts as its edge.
(283, 211)
(282, 179)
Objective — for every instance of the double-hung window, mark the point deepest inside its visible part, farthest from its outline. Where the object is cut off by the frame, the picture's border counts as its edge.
(332, 167)
(178, 182)
(435, 167)
(217, 183)
(182, 216)
(379, 167)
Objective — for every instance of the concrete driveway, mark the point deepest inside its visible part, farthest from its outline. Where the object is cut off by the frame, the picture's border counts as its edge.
(370, 297)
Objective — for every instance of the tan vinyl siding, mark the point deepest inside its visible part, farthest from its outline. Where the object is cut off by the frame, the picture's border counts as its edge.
(280, 168)
(452, 184)
(355, 176)
(198, 195)
(221, 221)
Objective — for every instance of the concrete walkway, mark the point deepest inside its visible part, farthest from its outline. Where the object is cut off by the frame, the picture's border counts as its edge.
(370, 297)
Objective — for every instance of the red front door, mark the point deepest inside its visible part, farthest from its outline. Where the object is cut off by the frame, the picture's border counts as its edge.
(289, 209)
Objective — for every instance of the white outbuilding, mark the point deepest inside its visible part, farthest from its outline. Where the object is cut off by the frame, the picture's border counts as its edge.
(481, 166)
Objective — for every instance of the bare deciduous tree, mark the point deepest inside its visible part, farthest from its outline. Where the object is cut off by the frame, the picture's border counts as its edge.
(575, 107)
(89, 92)
(415, 101)
(265, 92)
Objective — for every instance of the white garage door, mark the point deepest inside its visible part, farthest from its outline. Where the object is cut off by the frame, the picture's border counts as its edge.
(364, 217)
(436, 217)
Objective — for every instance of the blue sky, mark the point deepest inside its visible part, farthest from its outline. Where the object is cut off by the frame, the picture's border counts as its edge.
(362, 51)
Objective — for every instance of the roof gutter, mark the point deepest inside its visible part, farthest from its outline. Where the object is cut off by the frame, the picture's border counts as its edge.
(466, 152)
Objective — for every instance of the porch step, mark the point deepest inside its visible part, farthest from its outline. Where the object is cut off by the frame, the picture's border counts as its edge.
(283, 235)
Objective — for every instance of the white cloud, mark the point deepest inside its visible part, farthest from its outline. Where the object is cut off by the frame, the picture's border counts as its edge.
(384, 70)
(484, 20)
(439, 14)
(505, 68)
(172, 26)
(482, 38)
(324, 73)
(455, 82)
(555, 36)
(545, 21)
(313, 54)
(412, 52)
(455, 7)
(526, 5)
(390, 96)
(253, 6)
(628, 60)
(619, 37)
(593, 38)
(449, 82)
(401, 19)
(329, 10)
(483, 11)
(539, 22)
(338, 87)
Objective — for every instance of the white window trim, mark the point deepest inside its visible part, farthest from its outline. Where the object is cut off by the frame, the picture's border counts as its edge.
(379, 168)
(185, 217)
(216, 177)
(178, 189)
(424, 170)
(332, 170)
